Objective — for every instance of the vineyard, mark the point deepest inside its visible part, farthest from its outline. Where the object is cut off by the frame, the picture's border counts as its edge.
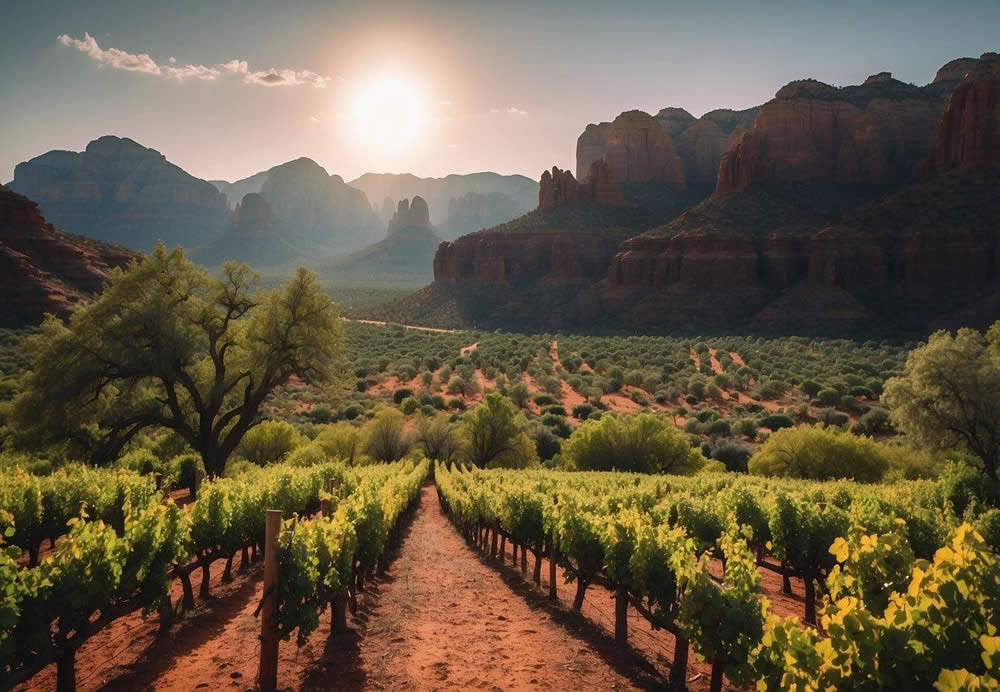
(912, 597)
(124, 557)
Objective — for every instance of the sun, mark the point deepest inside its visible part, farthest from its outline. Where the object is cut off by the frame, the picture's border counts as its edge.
(390, 113)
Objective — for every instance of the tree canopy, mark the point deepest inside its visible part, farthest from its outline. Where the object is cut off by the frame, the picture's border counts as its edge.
(168, 345)
(495, 435)
(948, 396)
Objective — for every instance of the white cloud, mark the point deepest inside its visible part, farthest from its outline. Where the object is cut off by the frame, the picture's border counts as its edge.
(118, 59)
(193, 72)
(274, 76)
(142, 62)
(516, 111)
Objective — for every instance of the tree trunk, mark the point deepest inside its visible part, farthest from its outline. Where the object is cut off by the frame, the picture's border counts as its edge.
(678, 668)
(538, 565)
(810, 600)
(66, 671)
(493, 544)
(581, 590)
(187, 603)
(621, 616)
(166, 613)
(786, 584)
(716, 685)
(553, 557)
(244, 559)
(524, 560)
(339, 613)
(227, 573)
(206, 577)
(33, 556)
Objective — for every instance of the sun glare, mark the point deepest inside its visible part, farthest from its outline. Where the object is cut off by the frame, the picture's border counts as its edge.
(390, 113)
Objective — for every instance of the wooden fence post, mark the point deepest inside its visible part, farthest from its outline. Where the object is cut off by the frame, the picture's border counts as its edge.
(268, 671)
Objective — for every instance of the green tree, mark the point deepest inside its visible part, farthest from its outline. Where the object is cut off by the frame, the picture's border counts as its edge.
(168, 345)
(495, 437)
(642, 442)
(386, 438)
(947, 394)
(438, 437)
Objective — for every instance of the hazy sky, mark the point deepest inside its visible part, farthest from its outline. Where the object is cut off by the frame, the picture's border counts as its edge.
(228, 88)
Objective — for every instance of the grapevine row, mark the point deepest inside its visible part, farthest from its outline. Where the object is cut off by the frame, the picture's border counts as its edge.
(651, 541)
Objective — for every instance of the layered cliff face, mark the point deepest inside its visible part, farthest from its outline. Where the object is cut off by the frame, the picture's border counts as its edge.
(872, 134)
(121, 192)
(969, 133)
(636, 148)
(44, 270)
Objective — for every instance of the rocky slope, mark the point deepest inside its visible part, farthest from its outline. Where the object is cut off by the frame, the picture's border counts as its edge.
(474, 211)
(251, 238)
(121, 192)
(44, 270)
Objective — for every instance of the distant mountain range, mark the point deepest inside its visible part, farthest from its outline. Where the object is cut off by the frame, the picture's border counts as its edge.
(121, 192)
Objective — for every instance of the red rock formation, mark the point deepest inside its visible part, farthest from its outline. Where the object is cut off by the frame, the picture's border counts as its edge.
(969, 132)
(503, 257)
(636, 148)
(556, 189)
(43, 270)
(869, 134)
(601, 187)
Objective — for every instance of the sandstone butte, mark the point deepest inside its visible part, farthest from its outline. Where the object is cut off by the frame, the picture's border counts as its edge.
(45, 270)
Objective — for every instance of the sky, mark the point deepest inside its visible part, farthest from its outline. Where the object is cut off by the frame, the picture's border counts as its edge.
(228, 88)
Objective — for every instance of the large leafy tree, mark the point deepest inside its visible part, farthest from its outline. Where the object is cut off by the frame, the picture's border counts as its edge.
(169, 346)
(948, 394)
(641, 442)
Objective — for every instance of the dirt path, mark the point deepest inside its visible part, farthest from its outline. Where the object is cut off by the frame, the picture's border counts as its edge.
(444, 620)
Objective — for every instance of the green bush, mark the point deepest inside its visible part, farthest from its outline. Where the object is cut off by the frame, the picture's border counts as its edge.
(409, 405)
(582, 411)
(719, 427)
(819, 453)
(776, 421)
(642, 442)
(544, 400)
(268, 442)
(400, 394)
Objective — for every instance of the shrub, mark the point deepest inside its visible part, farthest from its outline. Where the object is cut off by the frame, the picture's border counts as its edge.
(828, 397)
(400, 394)
(555, 409)
(321, 415)
(810, 388)
(547, 443)
(776, 421)
(748, 427)
(457, 404)
(642, 442)
(875, 420)
(544, 400)
(558, 425)
(733, 454)
(819, 453)
(582, 411)
(719, 427)
(268, 442)
(409, 406)
(831, 416)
